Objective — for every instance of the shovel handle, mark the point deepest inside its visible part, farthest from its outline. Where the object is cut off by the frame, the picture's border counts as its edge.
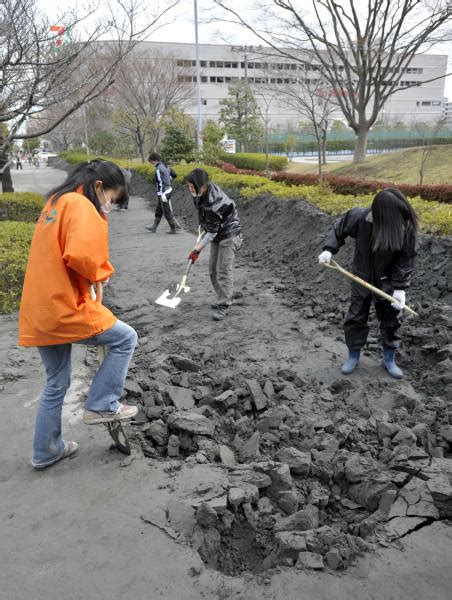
(336, 267)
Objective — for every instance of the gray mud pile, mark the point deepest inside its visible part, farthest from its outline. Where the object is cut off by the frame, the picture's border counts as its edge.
(313, 473)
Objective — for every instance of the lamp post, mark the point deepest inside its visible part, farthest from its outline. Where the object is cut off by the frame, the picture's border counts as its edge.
(198, 77)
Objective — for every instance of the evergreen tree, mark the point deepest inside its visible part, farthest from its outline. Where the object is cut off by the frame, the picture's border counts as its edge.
(177, 145)
(211, 142)
(240, 115)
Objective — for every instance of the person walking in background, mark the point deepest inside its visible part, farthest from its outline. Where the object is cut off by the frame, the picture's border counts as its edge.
(19, 162)
(385, 240)
(218, 216)
(68, 253)
(163, 180)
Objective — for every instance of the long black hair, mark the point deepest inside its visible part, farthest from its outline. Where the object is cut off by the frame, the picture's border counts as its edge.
(86, 174)
(198, 178)
(391, 214)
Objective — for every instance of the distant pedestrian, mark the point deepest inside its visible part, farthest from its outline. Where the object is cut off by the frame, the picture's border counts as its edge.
(218, 216)
(68, 253)
(163, 181)
(385, 239)
(19, 162)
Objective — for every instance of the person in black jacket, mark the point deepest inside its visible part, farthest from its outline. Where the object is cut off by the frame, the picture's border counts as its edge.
(385, 237)
(163, 181)
(219, 218)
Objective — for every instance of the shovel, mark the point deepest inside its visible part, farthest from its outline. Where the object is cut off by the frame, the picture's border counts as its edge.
(333, 265)
(171, 296)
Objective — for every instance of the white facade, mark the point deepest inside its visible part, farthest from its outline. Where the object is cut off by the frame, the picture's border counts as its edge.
(447, 111)
(222, 65)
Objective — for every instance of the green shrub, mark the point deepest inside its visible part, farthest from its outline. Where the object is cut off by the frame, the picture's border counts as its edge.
(15, 239)
(255, 161)
(20, 206)
(435, 216)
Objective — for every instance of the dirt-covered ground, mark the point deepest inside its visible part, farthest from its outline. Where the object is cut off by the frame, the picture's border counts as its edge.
(257, 469)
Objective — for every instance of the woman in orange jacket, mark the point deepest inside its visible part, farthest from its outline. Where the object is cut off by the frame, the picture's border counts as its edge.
(69, 253)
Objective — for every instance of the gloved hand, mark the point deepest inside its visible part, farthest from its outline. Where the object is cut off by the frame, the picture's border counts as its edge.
(399, 297)
(325, 257)
(194, 255)
(163, 198)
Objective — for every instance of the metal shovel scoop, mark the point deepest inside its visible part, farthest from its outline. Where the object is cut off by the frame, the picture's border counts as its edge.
(171, 297)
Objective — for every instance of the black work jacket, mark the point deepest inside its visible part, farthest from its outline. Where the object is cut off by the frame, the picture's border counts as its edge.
(385, 269)
(217, 213)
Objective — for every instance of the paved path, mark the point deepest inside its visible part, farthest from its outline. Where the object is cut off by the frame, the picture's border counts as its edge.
(75, 531)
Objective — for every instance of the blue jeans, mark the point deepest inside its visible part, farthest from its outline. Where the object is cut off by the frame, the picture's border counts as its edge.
(106, 388)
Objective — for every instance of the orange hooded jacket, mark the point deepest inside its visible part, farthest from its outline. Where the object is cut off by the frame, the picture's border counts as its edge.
(68, 251)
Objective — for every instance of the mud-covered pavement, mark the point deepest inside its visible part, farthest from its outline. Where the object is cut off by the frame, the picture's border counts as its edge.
(250, 447)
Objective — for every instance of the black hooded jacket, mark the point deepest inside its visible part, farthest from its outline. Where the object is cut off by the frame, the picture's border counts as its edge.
(385, 269)
(217, 213)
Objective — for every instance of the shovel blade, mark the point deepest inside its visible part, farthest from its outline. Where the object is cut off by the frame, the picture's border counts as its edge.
(167, 299)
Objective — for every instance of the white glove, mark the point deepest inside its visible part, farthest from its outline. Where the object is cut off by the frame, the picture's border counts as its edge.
(325, 257)
(163, 198)
(399, 297)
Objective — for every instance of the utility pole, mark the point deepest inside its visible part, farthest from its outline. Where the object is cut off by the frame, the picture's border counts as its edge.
(198, 77)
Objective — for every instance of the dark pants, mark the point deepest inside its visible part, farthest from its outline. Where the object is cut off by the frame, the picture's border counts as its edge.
(165, 208)
(355, 326)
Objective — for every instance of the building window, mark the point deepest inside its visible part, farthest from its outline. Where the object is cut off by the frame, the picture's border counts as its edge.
(204, 79)
(227, 65)
(234, 65)
(436, 103)
(203, 63)
(414, 70)
(426, 103)
(180, 63)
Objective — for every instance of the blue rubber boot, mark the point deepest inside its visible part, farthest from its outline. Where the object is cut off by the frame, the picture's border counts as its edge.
(389, 363)
(350, 365)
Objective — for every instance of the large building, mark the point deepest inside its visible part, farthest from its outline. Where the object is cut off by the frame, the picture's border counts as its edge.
(222, 65)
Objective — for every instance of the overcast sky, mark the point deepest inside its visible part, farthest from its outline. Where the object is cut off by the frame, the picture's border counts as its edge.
(182, 30)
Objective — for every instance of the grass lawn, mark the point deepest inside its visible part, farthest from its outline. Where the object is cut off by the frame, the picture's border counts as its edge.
(400, 167)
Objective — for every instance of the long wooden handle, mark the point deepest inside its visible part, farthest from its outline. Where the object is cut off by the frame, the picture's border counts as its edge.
(336, 267)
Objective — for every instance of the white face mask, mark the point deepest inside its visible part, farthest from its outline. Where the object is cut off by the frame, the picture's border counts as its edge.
(107, 207)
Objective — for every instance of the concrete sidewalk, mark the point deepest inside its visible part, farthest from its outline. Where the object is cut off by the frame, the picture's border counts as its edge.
(93, 527)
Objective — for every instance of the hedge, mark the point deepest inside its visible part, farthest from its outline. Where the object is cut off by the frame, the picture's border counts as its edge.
(436, 217)
(357, 186)
(15, 239)
(256, 161)
(20, 206)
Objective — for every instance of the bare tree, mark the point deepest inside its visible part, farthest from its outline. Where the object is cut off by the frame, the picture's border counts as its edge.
(39, 71)
(428, 136)
(314, 100)
(265, 100)
(362, 48)
(145, 90)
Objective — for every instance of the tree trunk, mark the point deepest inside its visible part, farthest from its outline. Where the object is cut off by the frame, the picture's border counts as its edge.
(319, 153)
(266, 148)
(361, 144)
(5, 174)
(324, 133)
